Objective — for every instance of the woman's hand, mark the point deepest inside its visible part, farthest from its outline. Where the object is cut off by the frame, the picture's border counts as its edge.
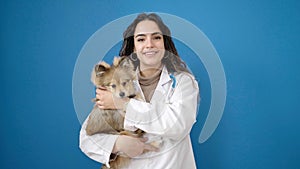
(132, 146)
(106, 100)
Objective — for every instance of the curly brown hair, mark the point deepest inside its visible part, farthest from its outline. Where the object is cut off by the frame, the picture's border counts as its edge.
(171, 59)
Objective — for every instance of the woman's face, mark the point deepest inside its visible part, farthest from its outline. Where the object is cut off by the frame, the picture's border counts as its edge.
(149, 44)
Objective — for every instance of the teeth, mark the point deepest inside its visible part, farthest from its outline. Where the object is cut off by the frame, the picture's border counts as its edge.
(150, 53)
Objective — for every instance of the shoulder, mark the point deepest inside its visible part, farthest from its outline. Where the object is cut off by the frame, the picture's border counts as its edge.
(184, 75)
(186, 78)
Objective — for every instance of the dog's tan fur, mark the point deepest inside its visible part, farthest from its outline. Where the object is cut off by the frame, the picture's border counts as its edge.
(117, 78)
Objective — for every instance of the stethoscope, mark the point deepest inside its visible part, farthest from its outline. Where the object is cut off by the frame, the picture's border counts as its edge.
(173, 81)
(172, 87)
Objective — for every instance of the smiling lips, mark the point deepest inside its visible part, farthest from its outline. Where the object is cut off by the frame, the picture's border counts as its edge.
(150, 53)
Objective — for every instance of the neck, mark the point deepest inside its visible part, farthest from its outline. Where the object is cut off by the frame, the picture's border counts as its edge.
(147, 72)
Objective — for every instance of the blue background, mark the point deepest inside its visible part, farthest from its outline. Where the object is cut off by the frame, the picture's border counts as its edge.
(258, 44)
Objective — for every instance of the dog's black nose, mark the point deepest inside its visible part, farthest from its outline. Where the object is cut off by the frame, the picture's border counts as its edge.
(122, 94)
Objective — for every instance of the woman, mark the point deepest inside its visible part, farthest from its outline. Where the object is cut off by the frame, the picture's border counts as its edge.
(168, 111)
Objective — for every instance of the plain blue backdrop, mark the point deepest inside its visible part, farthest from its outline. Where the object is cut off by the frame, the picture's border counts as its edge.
(258, 44)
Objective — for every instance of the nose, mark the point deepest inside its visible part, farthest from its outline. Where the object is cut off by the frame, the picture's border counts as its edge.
(121, 94)
(149, 43)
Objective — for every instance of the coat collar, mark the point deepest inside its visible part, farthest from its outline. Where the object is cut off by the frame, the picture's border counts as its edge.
(163, 85)
(164, 77)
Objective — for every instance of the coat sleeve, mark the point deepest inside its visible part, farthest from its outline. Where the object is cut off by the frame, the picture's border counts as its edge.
(98, 146)
(170, 115)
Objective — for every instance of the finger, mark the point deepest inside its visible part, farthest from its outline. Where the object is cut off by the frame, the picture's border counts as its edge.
(150, 147)
(102, 87)
(100, 103)
(98, 91)
(143, 139)
(101, 107)
(98, 96)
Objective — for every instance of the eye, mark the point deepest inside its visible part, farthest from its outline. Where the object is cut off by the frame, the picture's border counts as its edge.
(113, 86)
(124, 83)
(157, 37)
(140, 39)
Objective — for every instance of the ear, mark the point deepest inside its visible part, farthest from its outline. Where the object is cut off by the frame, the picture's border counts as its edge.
(116, 61)
(125, 62)
(100, 69)
(104, 64)
(98, 72)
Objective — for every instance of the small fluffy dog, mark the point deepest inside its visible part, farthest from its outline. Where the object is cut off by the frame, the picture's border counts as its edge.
(119, 79)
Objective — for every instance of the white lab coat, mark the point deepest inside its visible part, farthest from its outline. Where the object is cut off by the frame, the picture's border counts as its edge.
(168, 119)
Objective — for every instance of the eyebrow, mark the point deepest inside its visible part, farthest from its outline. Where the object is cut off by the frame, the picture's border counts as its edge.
(144, 34)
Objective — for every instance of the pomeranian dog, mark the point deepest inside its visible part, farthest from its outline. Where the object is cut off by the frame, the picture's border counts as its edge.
(119, 79)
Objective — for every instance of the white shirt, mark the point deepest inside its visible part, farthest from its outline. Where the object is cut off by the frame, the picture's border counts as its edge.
(168, 118)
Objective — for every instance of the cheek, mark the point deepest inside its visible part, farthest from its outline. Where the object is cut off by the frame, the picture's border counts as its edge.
(137, 48)
(138, 53)
(160, 44)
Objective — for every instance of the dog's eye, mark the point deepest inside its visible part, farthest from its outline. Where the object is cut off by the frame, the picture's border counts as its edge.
(113, 86)
(124, 83)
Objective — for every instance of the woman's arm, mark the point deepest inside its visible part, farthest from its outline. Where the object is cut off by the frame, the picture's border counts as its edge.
(169, 116)
(97, 147)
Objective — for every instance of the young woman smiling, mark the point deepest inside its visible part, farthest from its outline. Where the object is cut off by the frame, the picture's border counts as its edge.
(168, 111)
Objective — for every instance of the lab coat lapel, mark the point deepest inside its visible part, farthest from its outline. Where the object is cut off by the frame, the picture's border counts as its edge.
(163, 85)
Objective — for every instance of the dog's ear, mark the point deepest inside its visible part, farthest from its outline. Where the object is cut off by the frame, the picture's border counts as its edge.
(104, 64)
(125, 62)
(99, 70)
(116, 61)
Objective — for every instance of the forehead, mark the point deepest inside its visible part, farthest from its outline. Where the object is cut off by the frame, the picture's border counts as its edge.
(146, 27)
